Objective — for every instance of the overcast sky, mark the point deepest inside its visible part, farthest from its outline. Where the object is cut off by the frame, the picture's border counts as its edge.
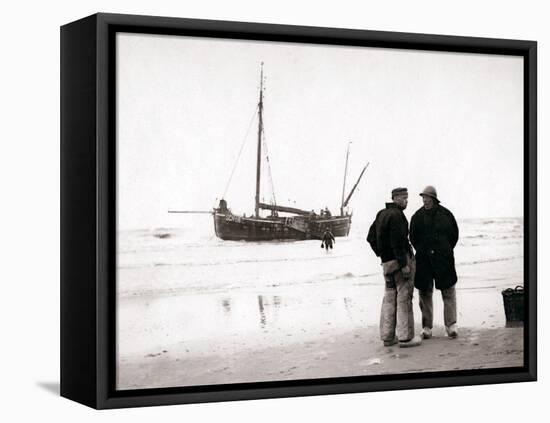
(184, 105)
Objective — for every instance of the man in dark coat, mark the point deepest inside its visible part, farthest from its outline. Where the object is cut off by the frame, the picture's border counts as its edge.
(328, 239)
(389, 239)
(434, 234)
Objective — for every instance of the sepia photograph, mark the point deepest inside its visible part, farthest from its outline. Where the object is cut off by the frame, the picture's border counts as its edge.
(292, 211)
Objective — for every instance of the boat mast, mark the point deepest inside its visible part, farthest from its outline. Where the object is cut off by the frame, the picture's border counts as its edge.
(344, 187)
(260, 130)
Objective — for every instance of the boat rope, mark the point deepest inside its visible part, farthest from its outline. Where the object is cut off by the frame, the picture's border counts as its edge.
(240, 151)
(264, 142)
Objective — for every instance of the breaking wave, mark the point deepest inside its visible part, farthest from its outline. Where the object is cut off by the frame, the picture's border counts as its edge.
(490, 260)
(231, 262)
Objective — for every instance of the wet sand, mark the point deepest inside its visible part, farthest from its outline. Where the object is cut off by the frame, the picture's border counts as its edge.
(352, 353)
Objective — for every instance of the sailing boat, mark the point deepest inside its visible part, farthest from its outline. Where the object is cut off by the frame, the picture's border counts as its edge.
(300, 225)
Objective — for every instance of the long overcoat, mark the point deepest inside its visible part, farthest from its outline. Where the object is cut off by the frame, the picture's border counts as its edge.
(434, 234)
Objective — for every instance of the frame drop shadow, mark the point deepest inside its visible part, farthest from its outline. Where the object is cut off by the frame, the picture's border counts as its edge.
(51, 387)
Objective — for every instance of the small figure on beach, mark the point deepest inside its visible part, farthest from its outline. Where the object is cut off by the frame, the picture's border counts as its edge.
(434, 234)
(389, 238)
(328, 239)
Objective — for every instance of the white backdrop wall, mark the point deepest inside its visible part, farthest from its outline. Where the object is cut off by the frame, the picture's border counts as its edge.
(29, 170)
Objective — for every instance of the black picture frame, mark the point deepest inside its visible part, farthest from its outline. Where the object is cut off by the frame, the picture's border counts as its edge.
(88, 204)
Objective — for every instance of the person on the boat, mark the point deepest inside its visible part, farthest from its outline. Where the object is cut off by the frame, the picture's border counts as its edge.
(327, 212)
(328, 239)
(434, 235)
(223, 206)
(389, 239)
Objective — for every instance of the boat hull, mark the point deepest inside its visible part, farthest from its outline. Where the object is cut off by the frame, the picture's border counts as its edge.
(237, 228)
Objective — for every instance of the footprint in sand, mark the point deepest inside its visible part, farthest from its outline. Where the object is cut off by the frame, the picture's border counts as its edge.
(399, 356)
(450, 354)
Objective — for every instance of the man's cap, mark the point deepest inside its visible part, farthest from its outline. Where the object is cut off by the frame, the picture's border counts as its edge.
(430, 192)
(399, 191)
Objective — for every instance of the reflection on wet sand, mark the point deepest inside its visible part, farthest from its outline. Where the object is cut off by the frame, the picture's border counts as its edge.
(262, 310)
(226, 304)
(264, 303)
(348, 305)
(268, 307)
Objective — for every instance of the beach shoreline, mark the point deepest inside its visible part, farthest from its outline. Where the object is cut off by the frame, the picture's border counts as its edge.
(358, 352)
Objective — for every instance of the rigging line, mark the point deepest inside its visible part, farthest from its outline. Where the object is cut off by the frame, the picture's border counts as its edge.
(240, 151)
(264, 142)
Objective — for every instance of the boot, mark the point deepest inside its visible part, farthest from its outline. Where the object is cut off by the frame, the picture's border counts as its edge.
(451, 331)
(391, 342)
(415, 342)
(426, 333)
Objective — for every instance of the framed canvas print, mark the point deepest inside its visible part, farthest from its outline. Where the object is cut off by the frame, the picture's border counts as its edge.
(256, 211)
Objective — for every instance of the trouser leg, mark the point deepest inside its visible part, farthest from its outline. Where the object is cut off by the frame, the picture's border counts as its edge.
(405, 316)
(412, 265)
(387, 315)
(449, 305)
(427, 307)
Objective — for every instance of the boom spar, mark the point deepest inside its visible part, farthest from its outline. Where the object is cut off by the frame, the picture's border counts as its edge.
(191, 211)
(355, 186)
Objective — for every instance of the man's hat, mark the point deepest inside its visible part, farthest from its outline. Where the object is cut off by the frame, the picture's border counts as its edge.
(398, 191)
(430, 192)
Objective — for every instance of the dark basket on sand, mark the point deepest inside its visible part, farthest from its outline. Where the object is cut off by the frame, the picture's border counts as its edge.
(513, 304)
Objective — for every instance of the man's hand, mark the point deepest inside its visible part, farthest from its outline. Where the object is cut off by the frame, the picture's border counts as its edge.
(406, 272)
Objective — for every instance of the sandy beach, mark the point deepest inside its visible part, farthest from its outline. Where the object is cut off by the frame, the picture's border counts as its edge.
(199, 311)
(349, 354)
